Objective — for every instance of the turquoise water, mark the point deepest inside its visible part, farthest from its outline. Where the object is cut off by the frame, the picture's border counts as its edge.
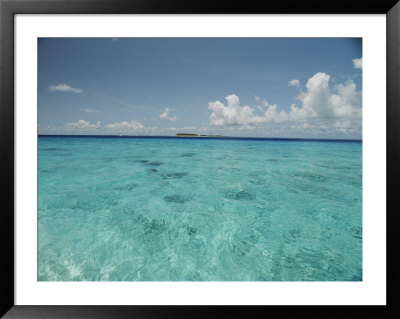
(140, 209)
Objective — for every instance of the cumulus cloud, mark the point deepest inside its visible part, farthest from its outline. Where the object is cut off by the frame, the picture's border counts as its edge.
(318, 102)
(357, 63)
(124, 127)
(256, 98)
(64, 88)
(83, 126)
(165, 115)
(294, 82)
(234, 114)
(89, 110)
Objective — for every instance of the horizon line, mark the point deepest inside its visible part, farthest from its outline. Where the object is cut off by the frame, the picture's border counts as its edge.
(202, 137)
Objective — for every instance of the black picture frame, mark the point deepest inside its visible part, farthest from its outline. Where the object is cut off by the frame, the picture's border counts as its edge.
(8, 8)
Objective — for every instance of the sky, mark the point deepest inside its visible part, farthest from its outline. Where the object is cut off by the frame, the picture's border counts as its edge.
(251, 87)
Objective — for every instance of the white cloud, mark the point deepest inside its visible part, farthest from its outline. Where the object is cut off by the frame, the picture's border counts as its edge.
(64, 88)
(343, 124)
(235, 114)
(89, 110)
(272, 115)
(294, 82)
(315, 128)
(232, 113)
(182, 129)
(256, 98)
(357, 63)
(302, 126)
(165, 115)
(85, 127)
(82, 126)
(318, 102)
(124, 127)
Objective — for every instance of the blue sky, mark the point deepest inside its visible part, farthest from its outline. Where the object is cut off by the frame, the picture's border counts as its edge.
(266, 87)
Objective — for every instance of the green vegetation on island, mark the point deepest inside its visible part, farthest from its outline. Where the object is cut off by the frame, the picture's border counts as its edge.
(196, 135)
(186, 134)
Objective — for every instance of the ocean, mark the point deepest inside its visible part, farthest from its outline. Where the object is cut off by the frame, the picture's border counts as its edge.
(199, 209)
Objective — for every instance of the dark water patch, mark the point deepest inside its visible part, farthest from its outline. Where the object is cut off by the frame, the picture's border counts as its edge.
(155, 163)
(142, 219)
(188, 154)
(142, 161)
(229, 195)
(355, 278)
(156, 226)
(46, 170)
(242, 195)
(229, 169)
(356, 232)
(151, 226)
(191, 230)
(240, 247)
(287, 238)
(175, 175)
(152, 170)
(194, 276)
(295, 233)
(289, 260)
(174, 199)
(126, 187)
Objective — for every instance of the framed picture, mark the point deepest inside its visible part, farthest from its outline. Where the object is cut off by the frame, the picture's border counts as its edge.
(159, 155)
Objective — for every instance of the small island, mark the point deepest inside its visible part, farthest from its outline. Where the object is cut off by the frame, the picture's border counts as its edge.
(196, 135)
(187, 134)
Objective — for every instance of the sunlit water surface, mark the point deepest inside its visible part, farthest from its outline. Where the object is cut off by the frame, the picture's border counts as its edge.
(191, 209)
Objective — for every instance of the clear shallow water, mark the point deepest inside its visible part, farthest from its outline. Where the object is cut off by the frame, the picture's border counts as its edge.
(129, 209)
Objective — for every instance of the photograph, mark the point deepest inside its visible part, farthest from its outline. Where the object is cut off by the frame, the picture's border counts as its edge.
(180, 159)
